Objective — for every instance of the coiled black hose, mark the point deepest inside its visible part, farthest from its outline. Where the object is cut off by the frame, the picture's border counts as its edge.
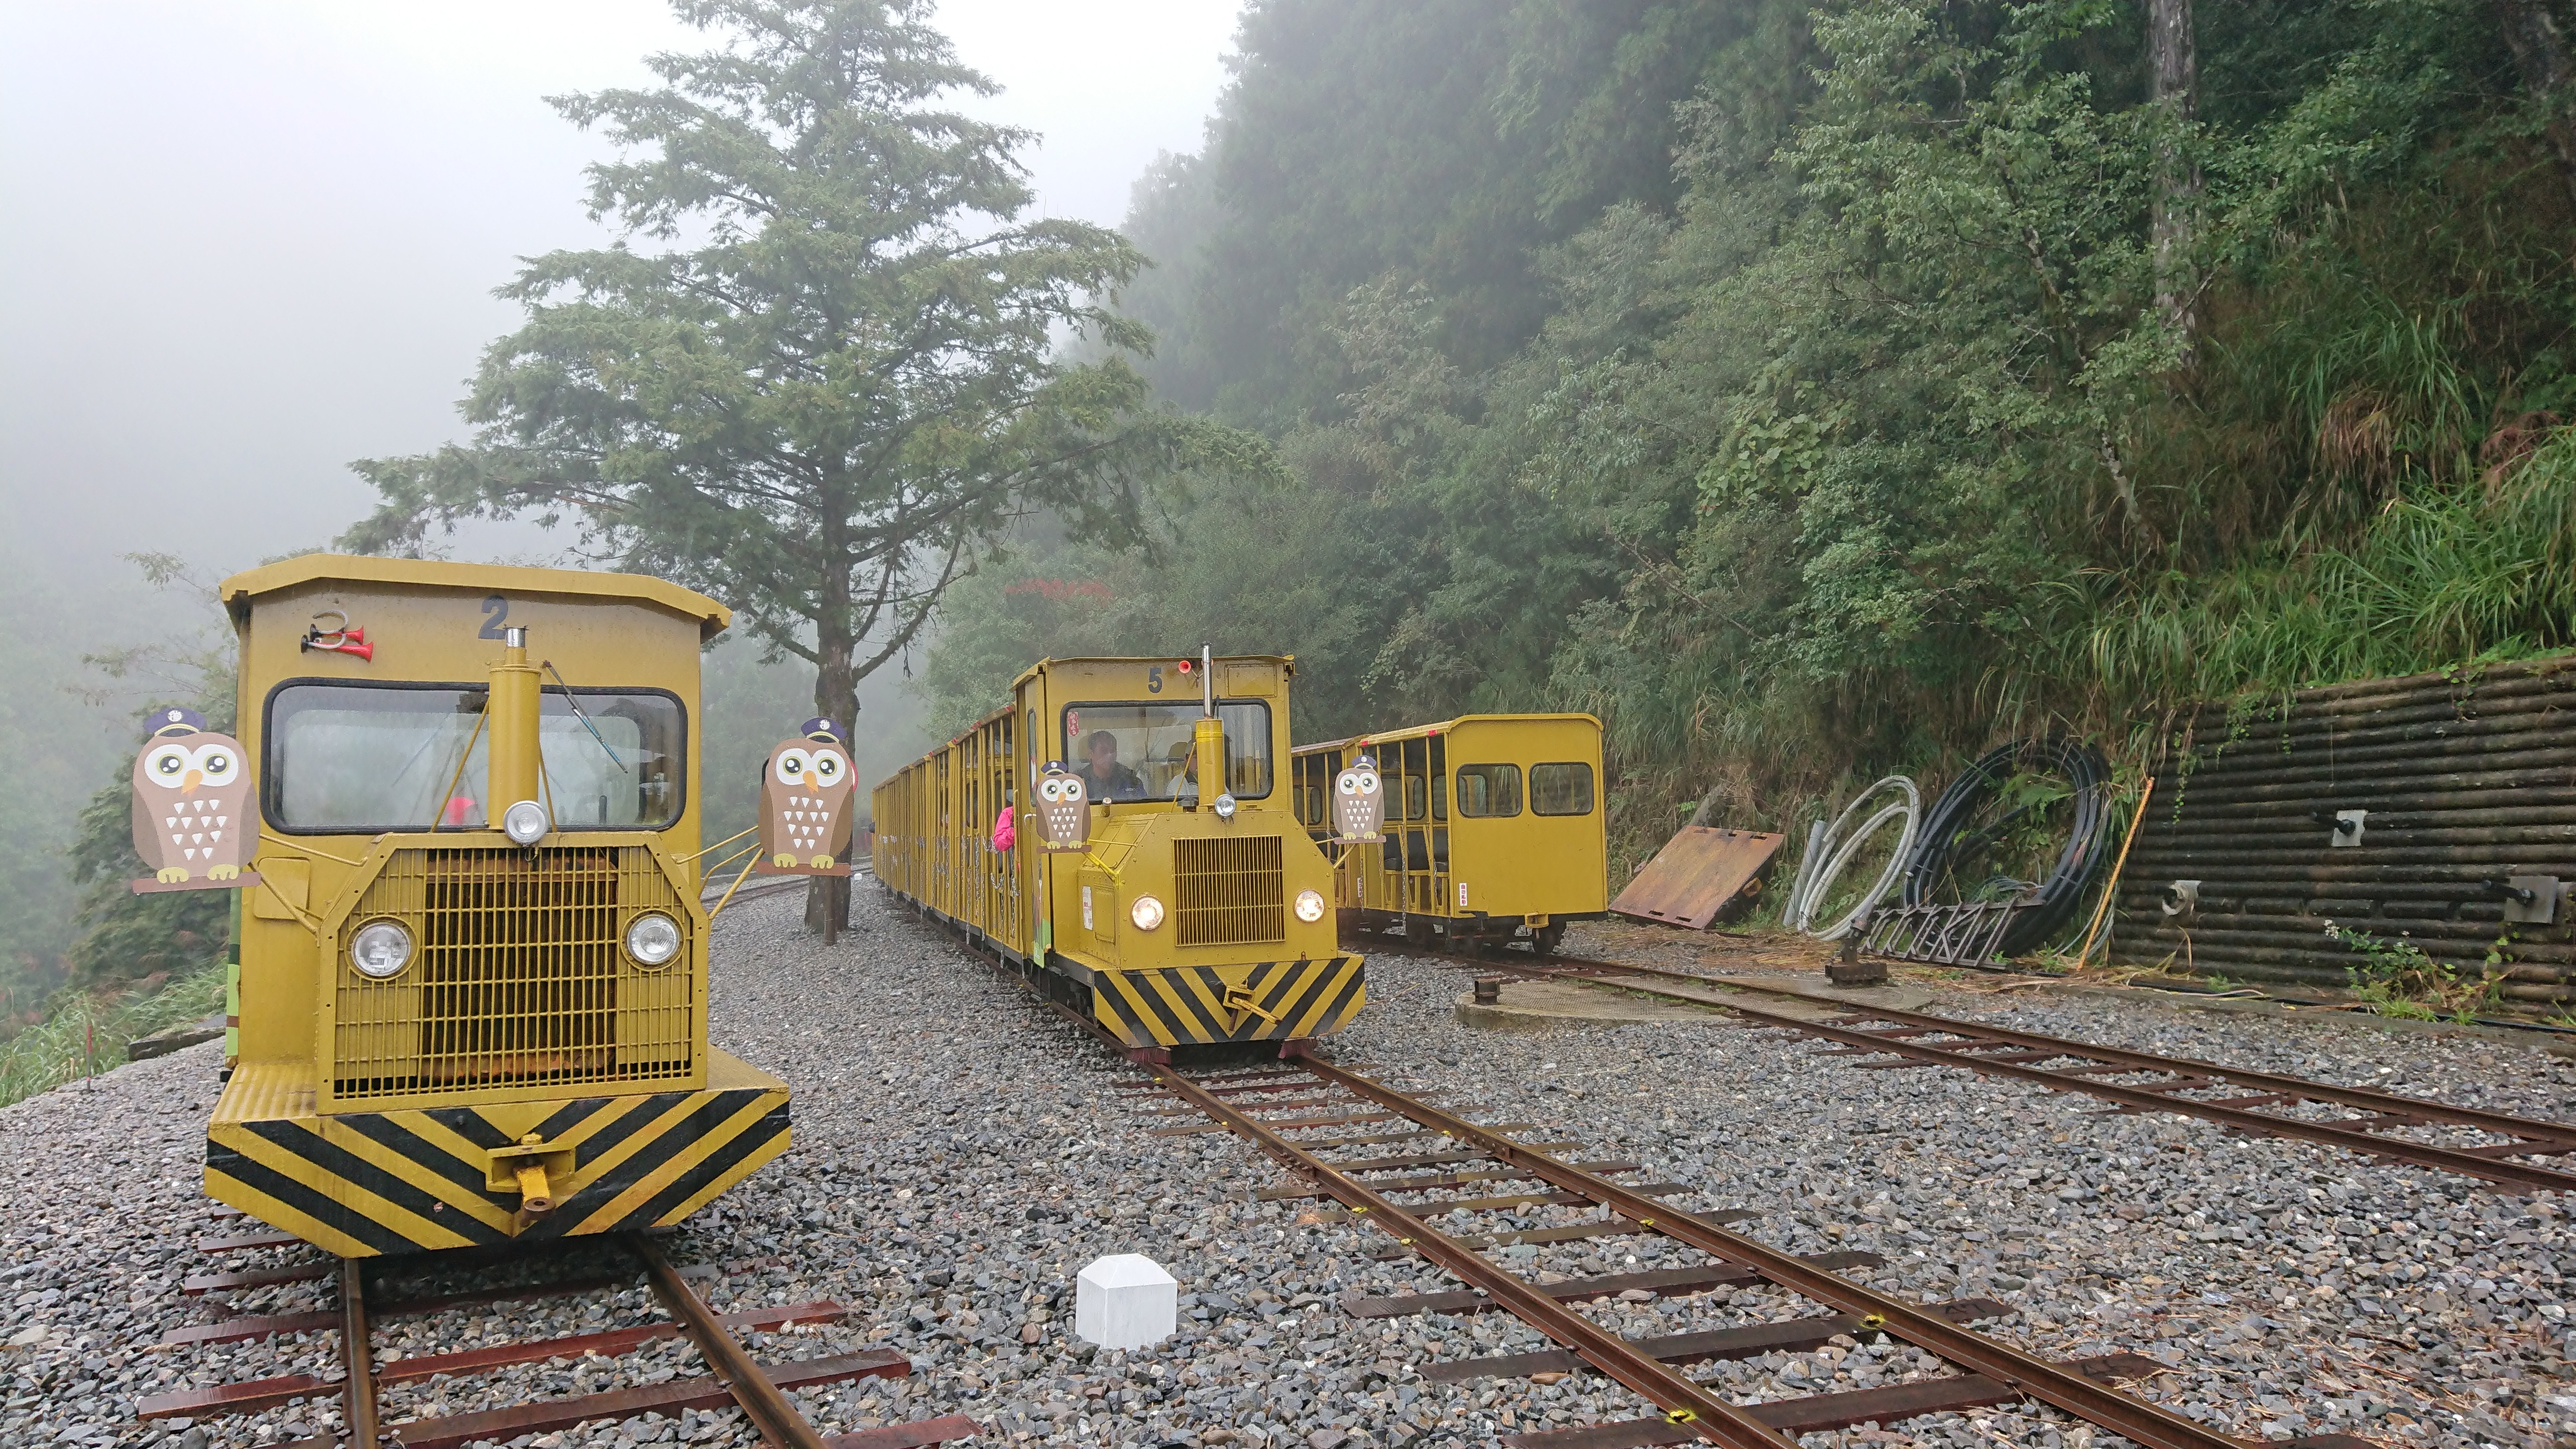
(1945, 837)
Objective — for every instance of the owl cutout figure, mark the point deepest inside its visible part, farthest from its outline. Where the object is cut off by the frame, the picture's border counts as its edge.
(1064, 809)
(805, 794)
(192, 823)
(1359, 804)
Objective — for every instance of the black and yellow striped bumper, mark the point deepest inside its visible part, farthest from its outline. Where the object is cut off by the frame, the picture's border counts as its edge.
(365, 1183)
(1263, 1001)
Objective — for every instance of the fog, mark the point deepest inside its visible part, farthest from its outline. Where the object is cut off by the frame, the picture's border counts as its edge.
(248, 243)
(245, 244)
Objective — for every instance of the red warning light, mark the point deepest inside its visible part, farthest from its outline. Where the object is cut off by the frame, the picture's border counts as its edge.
(1187, 667)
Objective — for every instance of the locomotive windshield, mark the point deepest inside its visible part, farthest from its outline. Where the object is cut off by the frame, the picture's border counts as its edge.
(346, 758)
(1142, 751)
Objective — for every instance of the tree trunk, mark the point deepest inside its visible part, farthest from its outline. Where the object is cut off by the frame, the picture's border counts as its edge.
(2540, 53)
(836, 698)
(2173, 63)
(827, 907)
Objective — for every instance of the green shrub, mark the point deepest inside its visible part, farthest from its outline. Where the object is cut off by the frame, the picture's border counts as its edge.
(85, 1033)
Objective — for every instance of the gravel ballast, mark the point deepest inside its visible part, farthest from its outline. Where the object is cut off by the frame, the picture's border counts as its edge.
(960, 1155)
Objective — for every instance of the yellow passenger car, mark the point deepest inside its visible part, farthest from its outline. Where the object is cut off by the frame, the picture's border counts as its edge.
(474, 969)
(1190, 917)
(1494, 829)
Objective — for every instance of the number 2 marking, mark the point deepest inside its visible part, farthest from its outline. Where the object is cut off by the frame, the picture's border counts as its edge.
(496, 612)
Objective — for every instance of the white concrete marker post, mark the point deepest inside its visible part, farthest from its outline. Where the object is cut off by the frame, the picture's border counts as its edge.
(1126, 1300)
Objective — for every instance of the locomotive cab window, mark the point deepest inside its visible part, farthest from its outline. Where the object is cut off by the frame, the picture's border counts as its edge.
(1143, 751)
(1564, 788)
(350, 759)
(1489, 790)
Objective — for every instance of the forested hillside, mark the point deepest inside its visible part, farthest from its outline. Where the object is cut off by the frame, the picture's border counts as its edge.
(1817, 390)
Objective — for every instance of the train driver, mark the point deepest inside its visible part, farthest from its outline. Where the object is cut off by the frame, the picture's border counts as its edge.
(1103, 778)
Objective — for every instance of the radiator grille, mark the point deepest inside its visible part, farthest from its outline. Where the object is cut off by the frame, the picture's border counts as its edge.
(518, 978)
(1227, 892)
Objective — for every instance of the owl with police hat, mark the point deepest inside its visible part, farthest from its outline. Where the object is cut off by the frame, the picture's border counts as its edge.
(1359, 803)
(1064, 808)
(192, 822)
(805, 798)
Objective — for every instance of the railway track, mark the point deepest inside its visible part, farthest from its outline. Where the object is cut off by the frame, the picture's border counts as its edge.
(2488, 1146)
(356, 1302)
(1396, 1161)
(752, 890)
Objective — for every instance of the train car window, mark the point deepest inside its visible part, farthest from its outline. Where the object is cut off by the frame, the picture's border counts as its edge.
(1561, 789)
(352, 758)
(1417, 793)
(1439, 778)
(1489, 790)
(1148, 751)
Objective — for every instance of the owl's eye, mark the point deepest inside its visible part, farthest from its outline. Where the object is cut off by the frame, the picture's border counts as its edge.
(1349, 784)
(792, 765)
(1051, 789)
(1368, 783)
(829, 766)
(168, 763)
(217, 763)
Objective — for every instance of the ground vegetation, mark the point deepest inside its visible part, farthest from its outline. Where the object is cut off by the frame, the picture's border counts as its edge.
(1815, 391)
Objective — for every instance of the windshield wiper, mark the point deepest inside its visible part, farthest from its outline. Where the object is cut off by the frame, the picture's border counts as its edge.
(585, 719)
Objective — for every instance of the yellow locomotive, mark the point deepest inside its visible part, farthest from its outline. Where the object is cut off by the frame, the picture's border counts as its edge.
(1494, 828)
(1170, 914)
(473, 990)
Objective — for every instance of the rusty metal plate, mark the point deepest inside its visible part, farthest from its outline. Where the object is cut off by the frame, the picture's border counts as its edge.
(1699, 875)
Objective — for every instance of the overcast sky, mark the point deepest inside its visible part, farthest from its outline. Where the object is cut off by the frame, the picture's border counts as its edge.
(244, 243)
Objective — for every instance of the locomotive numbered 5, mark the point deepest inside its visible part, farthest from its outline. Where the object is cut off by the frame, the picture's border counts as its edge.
(474, 967)
(1179, 902)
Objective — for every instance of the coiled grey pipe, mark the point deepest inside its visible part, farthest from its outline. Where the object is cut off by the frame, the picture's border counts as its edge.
(1808, 860)
(1800, 914)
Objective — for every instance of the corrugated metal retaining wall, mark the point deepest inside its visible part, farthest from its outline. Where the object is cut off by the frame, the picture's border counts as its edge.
(2467, 778)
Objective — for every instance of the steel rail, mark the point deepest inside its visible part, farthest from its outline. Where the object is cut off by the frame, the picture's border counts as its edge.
(357, 1360)
(2503, 1124)
(1685, 1402)
(2095, 1403)
(2466, 1163)
(779, 1424)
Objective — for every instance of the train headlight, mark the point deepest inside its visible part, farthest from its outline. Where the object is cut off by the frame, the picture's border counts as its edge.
(652, 939)
(1224, 807)
(380, 950)
(1310, 907)
(1147, 913)
(524, 822)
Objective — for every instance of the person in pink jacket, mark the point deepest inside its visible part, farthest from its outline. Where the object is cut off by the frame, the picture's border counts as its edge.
(1005, 834)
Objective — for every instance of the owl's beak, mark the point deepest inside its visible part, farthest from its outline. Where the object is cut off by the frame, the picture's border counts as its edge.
(195, 778)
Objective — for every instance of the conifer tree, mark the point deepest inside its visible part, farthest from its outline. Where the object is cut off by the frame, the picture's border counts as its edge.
(821, 366)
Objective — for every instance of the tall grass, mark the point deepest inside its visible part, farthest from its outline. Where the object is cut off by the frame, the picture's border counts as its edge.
(2442, 575)
(85, 1033)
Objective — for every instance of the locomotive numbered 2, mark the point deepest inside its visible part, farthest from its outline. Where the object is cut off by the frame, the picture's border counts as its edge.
(474, 967)
(1150, 874)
